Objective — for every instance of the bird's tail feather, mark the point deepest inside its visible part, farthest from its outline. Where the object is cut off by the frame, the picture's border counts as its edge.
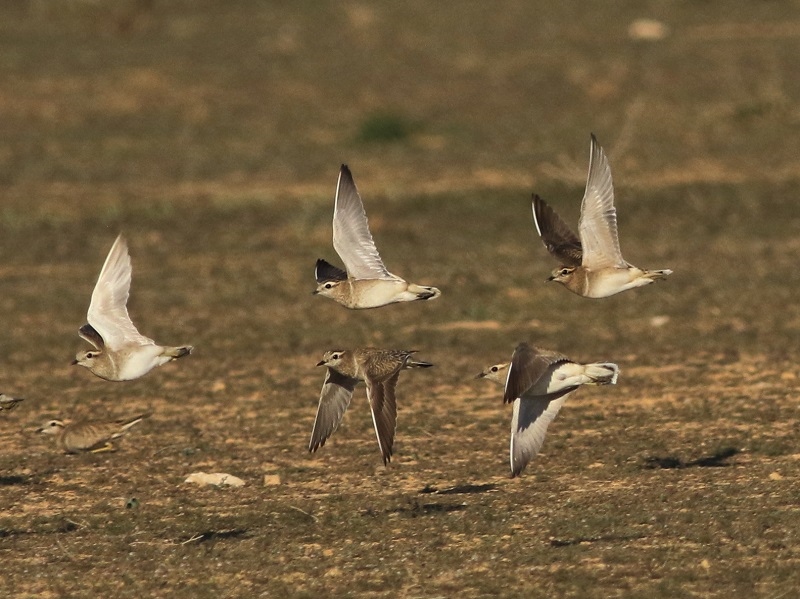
(657, 275)
(601, 373)
(178, 352)
(424, 293)
(418, 364)
(129, 422)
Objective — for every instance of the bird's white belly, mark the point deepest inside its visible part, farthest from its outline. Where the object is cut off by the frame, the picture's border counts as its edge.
(563, 376)
(378, 292)
(140, 361)
(612, 281)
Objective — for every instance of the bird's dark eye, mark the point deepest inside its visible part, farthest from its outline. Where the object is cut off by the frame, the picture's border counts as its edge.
(564, 272)
(494, 368)
(53, 424)
(328, 285)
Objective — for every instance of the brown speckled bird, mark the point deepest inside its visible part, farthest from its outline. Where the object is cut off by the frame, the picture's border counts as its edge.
(93, 437)
(379, 369)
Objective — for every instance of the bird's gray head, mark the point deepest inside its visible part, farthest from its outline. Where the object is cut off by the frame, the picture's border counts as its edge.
(51, 427)
(562, 274)
(496, 373)
(328, 288)
(331, 358)
(87, 358)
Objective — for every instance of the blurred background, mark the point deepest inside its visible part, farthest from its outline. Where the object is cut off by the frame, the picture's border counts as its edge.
(105, 102)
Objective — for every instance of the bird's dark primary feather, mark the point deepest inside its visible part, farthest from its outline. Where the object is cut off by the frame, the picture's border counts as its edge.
(556, 235)
(325, 271)
(89, 333)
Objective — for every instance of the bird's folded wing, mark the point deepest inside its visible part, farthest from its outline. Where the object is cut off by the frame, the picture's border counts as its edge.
(528, 365)
(556, 235)
(108, 311)
(351, 237)
(598, 223)
(528, 428)
(337, 391)
(87, 436)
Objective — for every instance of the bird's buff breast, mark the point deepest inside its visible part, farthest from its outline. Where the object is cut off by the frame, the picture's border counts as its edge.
(372, 293)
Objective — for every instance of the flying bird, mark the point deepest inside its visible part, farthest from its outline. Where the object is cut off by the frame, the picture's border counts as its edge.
(379, 369)
(592, 265)
(538, 381)
(121, 353)
(365, 283)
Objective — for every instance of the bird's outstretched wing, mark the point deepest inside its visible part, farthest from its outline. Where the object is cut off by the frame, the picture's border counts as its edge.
(528, 365)
(351, 237)
(88, 333)
(337, 391)
(529, 425)
(598, 223)
(325, 271)
(108, 311)
(556, 235)
(384, 412)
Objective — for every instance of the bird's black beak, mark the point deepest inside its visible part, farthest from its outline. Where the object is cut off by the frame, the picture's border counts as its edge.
(480, 375)
(73, 363)
(315, 292)
(321, 363)
(550, 278)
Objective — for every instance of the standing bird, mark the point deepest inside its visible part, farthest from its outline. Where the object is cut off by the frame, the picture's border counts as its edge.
(379, 369)
(538, 382)
(592, 266)
(9, 403)
(93, 437)
(366, 283)
(121, 353)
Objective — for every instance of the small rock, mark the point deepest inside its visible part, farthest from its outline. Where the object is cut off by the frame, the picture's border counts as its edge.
(218, 479)
(705, 564)
(775, 476)
(788, 376)
(648, 30)
(659, 321)
(270, 480)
